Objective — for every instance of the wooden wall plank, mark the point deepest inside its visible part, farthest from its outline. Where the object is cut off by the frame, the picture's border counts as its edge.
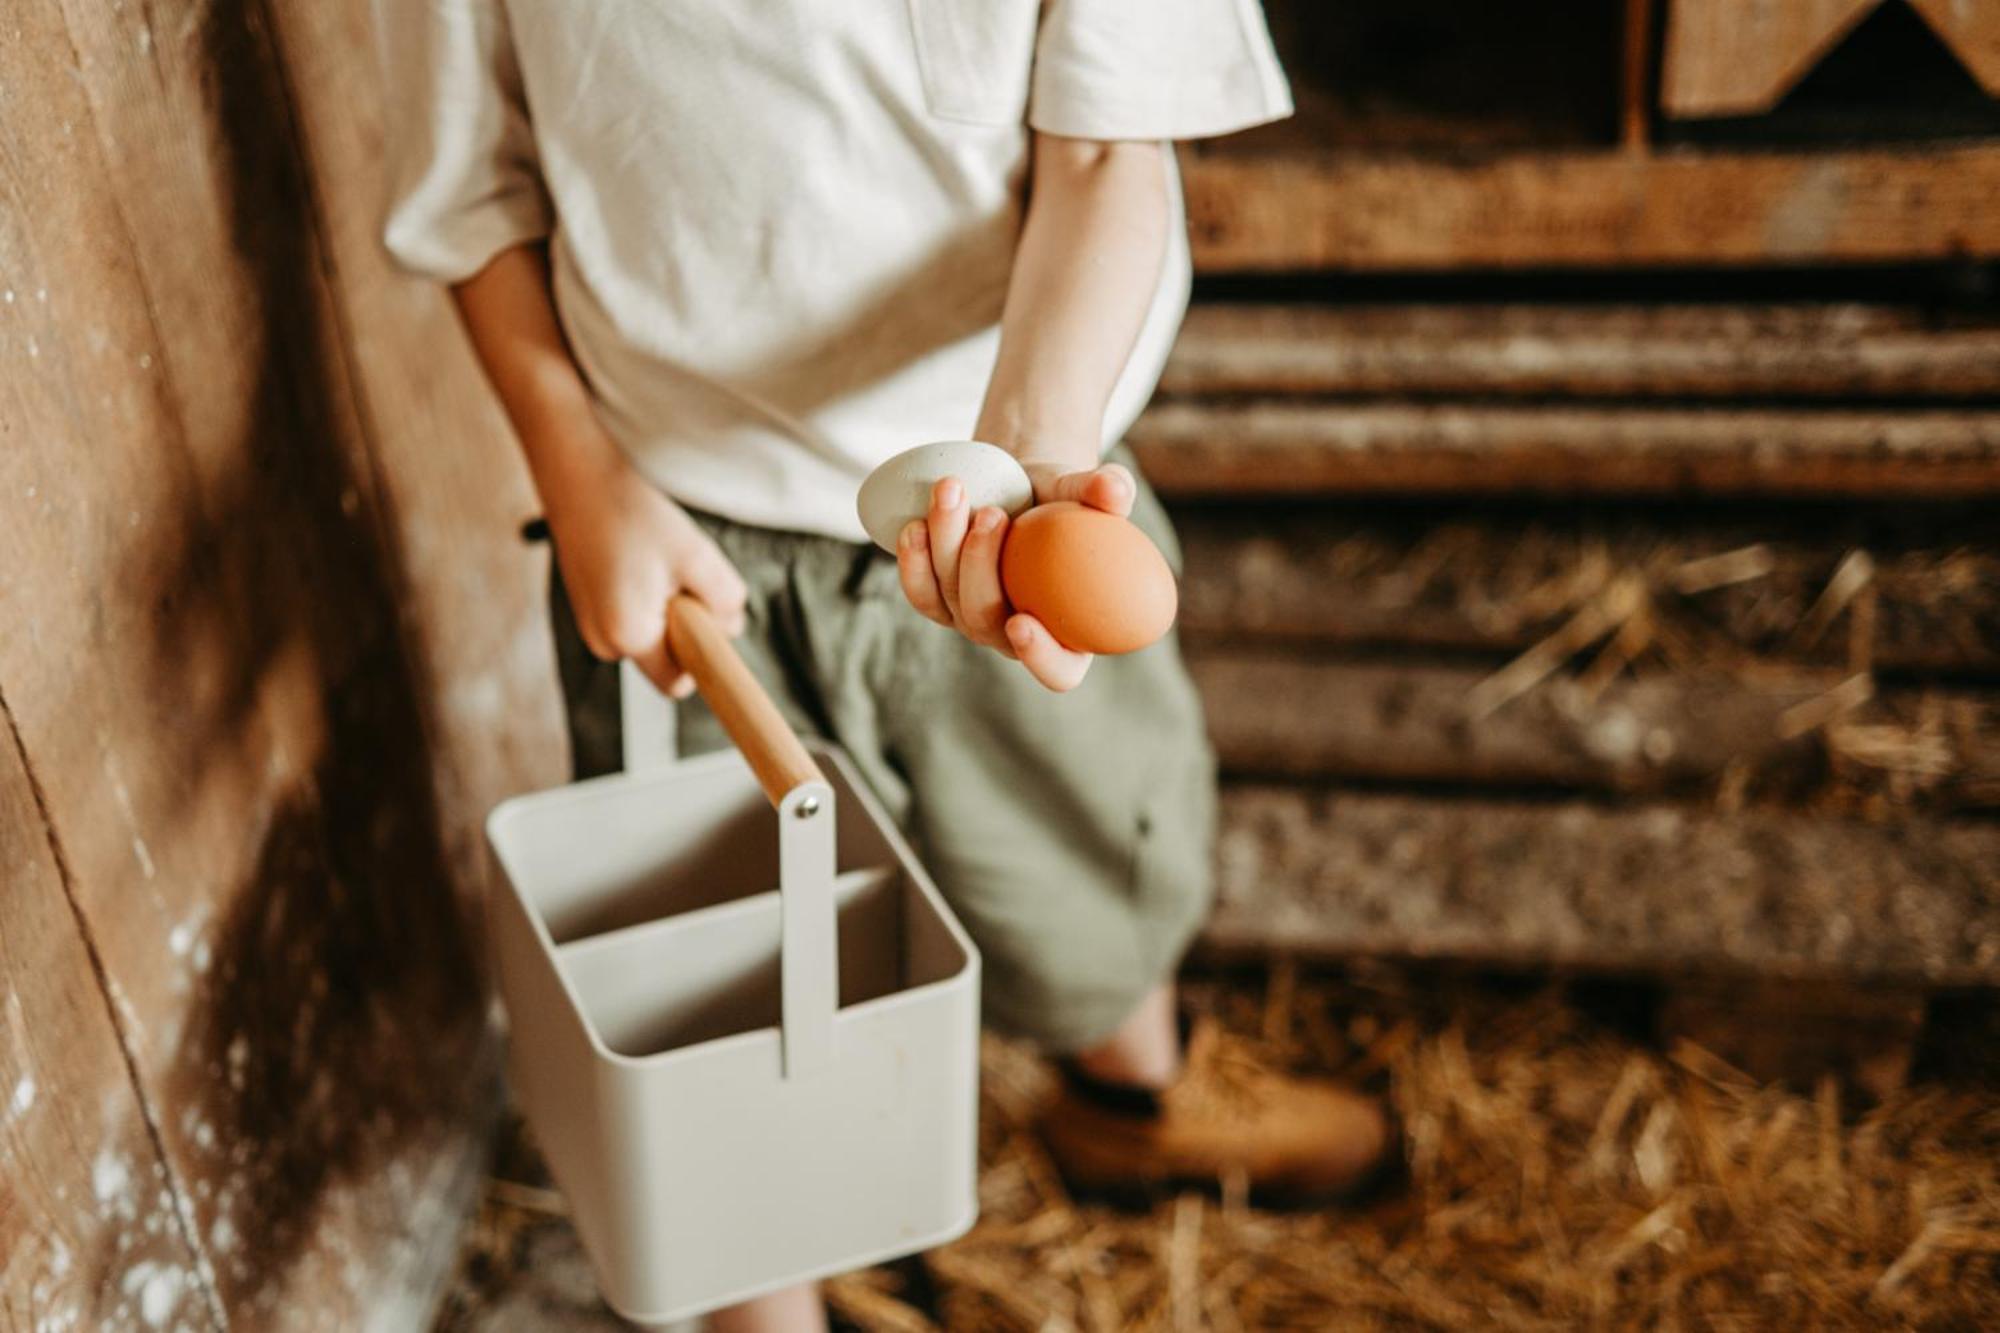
(1835, 350)
(214, 674)
(1278, 714)
(1274, 713)
(1194, 448)
(1652, 888)
(1490, 582)
(454, 490)
(1728, 58)
(1568, 210)
(94, 1227)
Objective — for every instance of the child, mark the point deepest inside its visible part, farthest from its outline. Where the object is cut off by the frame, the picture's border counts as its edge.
(719, 260)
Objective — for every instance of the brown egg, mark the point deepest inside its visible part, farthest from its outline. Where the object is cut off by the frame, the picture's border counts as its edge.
(1095, 580)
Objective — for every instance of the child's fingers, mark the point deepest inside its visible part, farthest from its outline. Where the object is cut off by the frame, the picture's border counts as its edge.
(1110, 488)
(948, 518)
(708, 574)
(657, 664)
(1055, 666)
(918, 576)
(632, 622)
(598, 642)
(982, 605)
(605, 632)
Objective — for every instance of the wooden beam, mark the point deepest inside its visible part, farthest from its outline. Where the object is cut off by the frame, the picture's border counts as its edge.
(1635, 100)
(1192, 449)
(1657, 889)
(1690, 351)
(1274, 713)
(1493, 583)
(1727, 58)
(1278, 714)
(1590, 209)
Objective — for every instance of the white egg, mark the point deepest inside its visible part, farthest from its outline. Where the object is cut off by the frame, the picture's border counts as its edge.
(898, 492)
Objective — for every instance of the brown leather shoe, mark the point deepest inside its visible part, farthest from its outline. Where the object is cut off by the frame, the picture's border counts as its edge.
(1293, 1141)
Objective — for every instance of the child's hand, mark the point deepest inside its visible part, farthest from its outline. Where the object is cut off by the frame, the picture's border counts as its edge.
(950, 566)
(625, 550)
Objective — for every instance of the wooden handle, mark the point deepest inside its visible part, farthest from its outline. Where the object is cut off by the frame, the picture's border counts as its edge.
(740, 703)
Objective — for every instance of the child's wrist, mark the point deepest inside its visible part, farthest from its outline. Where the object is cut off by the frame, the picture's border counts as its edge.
(566, 463)
(1067, 450)
(557, 438)
(1046, 424)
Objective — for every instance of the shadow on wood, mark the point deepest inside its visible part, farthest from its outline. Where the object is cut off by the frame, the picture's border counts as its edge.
(343, 1022)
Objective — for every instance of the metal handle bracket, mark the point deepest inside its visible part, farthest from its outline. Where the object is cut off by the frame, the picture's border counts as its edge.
(809, 970)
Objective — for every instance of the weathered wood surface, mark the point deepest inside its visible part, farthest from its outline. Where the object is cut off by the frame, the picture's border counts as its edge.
(269, 635)
(1277, 713)
(1292, 448)
(1728, 58)
(1584, 209)
(1282, 714)
(453, 491)
(1635, 83)
(1846, 351)
(95, 1227)
(1971, 28)
(1328, 874)
(1494, 580)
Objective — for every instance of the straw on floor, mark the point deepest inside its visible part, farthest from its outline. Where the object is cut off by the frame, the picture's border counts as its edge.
(1563, 1173)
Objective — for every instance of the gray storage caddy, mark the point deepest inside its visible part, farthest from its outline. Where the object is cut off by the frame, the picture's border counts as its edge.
(670, 945)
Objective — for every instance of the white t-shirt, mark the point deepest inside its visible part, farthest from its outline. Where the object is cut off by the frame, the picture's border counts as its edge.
(781, 230)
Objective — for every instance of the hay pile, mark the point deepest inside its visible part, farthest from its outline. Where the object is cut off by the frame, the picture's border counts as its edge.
(1563, 1174)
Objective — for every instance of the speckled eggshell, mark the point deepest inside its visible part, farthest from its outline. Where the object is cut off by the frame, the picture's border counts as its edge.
(898, 493)
(1093, 579)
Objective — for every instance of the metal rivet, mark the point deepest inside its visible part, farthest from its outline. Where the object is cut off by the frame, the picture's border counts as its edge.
(807, 808)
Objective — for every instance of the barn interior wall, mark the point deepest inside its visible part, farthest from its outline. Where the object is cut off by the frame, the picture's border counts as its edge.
(271, 648)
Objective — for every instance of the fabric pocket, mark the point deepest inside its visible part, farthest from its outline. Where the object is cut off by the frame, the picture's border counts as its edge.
(975, 57)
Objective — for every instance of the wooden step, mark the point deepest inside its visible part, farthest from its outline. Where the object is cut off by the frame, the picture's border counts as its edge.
(1330, 874)
(1767, 351)
(1494, 580)
(1287, 448)
(1279, 713)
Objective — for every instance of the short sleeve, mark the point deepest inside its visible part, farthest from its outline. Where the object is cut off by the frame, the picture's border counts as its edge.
(464, 183)
(1155, 69)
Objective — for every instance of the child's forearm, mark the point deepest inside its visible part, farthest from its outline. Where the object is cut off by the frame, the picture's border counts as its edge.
(1084, 277)
(509, 312)
(624, 549)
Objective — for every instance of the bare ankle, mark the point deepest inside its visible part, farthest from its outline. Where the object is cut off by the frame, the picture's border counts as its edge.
(1145, 1051)
(793, 1310)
